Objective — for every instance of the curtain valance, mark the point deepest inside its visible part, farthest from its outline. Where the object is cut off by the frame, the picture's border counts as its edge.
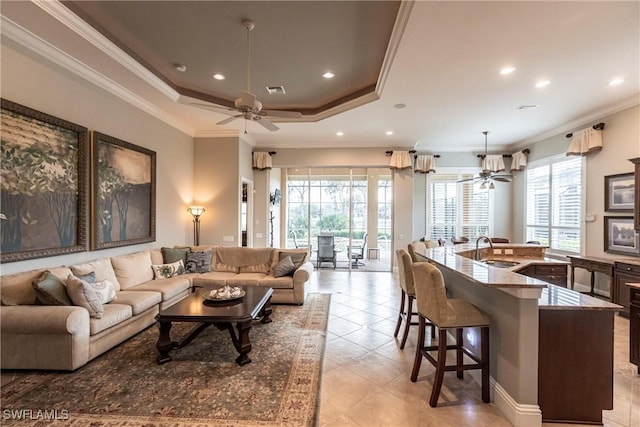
(262, 160)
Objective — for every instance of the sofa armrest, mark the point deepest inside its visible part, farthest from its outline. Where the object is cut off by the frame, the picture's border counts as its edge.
(44, 319)
(303, 273)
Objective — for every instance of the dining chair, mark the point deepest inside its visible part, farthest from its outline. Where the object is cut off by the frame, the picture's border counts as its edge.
(447, 314)
(326, 250)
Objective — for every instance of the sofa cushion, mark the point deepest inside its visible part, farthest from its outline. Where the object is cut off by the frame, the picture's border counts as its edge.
(139, 300)
(285, 282)
(167, 287)
(213, 278)
(165, 271)
(248, 279)
(156, 256)
(133, 269)
(170, 255)
(102, 268)
(16, 289)
(285, 267)
(198, 262)
(83, 295)
(50, 290)
(113, 315)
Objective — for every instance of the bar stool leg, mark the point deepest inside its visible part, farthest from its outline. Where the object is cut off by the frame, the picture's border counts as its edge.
(407, 322)
(440, 367)
(395, 333)
(419, 348)
(459, 354)
(484, 350)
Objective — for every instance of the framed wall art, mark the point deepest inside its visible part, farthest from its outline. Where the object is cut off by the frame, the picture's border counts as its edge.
(123, 197)
(619, 191)
(44, 193)
(620, 236)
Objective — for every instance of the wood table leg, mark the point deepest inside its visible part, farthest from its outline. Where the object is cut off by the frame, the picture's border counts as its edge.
(241, 341)
(164, 344)
(266, 312)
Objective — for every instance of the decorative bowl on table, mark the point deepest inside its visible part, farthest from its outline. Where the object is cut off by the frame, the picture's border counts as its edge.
(224, 294)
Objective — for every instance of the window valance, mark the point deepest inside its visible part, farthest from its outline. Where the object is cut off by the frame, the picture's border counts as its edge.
(425, 163)
(585, 142)
(262, 160)
(400, 160)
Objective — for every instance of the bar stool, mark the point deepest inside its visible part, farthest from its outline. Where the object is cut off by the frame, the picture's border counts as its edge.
(405, 276)
(435, 308)
(420, 247)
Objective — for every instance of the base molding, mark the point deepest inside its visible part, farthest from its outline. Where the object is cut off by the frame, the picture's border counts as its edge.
(518, 414)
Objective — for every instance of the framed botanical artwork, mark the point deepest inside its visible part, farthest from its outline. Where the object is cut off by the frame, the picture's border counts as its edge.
(620, 236)
(619, 191)
(123, 197)
(44, 192)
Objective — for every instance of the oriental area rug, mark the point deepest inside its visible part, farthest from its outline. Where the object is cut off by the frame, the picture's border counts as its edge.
(202, 386)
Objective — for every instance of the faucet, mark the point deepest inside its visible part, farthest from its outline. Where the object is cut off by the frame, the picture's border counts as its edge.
(486, 239)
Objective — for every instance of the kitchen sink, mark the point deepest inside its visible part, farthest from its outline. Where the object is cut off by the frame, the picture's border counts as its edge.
(500, 263)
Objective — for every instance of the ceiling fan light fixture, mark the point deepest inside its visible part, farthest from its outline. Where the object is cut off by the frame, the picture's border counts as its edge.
(483, 185)
(491, 185)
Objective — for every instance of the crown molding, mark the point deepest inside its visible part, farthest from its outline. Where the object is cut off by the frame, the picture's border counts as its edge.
(404, 12)
(72, 21)
(208, 133)
(51, 53)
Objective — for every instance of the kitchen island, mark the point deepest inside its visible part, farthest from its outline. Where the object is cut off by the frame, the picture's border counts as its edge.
(551, 347)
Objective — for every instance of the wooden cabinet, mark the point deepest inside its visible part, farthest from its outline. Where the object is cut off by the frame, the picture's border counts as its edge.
(636, 204)
(634, 326)
(554, 274)
(624, 273)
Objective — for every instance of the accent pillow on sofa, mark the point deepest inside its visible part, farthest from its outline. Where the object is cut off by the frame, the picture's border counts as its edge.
(165, 271)
(83, 295)
(50, 290)
(285, 267)
(101, 267)
(298, 256)
(105, 290)
(198, 262)
(171, 255)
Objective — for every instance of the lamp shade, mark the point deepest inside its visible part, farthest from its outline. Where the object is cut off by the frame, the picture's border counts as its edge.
(195, 210)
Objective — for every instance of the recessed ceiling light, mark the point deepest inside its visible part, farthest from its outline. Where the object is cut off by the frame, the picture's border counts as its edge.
(219, 76)
(339, 133)
(399, 106)
(616, 81)
(389, 132)
(180, 67)
(507, 70)
(328, 75)
(543, 83)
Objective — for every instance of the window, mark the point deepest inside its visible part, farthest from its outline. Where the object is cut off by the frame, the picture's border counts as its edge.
(457, 209)
(554, 203)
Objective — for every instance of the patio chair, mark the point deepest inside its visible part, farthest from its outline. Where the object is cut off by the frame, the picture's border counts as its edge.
(326, 250)
(357, 253)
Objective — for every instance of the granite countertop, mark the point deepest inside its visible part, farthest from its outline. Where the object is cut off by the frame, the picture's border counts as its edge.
(508, 279)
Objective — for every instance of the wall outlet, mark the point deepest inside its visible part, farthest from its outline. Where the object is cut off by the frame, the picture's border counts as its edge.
(400, 237)
(508, 251)
(227, 238)
(497, 251)
(590, 217)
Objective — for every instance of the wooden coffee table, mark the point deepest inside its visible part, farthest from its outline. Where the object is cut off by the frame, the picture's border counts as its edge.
(256, 303)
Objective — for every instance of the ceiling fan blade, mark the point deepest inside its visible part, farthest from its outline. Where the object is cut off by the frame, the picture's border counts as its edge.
(502, 178)
(265, 123)
(468, 179)
(218, 108)
(281, 113)
(229, 119)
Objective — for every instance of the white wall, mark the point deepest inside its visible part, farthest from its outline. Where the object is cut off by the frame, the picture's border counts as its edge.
(36, 83)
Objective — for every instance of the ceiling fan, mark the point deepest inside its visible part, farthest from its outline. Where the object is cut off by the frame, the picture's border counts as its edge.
(248, 105)
(487, 177)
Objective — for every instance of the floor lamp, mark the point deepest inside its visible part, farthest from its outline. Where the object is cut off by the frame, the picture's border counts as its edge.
(196, 211)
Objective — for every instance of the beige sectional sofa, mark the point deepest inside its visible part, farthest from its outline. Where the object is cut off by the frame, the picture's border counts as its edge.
(35, 336)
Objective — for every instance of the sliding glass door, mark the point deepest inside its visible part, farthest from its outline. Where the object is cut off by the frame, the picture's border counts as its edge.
(336, 202)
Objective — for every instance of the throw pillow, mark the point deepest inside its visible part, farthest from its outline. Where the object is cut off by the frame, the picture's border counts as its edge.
(89, 277)
(198, 262)
(105, 290)
(165, 271)
(83, 295)
(171, 255)
(284, 267)
(50, 290)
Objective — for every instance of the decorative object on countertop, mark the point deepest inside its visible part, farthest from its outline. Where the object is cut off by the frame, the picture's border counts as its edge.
(619, 192)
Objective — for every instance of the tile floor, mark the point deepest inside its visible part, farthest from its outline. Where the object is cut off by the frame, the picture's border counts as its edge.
(365, 380)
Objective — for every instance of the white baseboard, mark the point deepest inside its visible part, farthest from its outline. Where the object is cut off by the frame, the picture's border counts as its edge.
(518, 414)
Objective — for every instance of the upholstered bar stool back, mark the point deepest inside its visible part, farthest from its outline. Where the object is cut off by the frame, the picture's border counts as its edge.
(447, 313)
